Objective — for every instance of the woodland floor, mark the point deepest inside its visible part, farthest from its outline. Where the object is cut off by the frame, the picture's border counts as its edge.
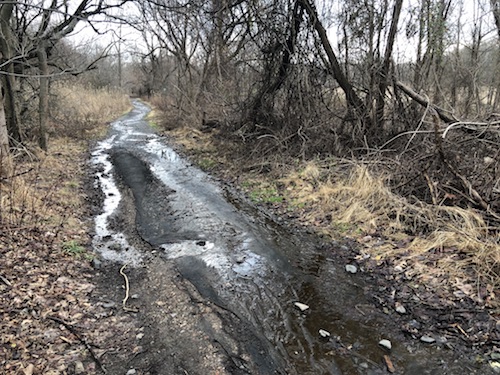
(60, 314)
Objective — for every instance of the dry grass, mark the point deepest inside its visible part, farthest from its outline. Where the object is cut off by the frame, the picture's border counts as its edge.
(361, 204)
(45, 192)
(80, 111)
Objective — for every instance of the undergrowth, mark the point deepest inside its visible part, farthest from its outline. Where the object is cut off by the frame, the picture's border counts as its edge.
(80, 111)
(352, 195)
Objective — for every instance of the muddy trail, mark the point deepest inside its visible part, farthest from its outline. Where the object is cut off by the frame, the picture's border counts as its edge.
(216, 282)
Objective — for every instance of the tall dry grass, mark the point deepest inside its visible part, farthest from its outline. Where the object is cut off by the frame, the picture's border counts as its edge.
(80, 111)
(361, 203)
(44, 189)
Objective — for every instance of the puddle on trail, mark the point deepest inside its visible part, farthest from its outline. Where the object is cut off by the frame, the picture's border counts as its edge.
(251, 265)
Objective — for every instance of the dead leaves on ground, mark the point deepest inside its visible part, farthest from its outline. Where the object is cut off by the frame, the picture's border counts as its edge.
(45, 283)
(38, 280)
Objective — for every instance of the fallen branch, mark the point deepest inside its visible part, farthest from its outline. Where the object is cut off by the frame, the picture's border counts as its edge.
(72, 329)
(442, 113)
(476, 126)
(127, 291)
(15, 175)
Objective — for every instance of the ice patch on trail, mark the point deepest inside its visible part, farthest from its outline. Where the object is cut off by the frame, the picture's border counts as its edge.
(212, 255)
(111, 245)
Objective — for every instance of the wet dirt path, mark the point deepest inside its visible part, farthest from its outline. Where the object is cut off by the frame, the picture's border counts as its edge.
(162, 215)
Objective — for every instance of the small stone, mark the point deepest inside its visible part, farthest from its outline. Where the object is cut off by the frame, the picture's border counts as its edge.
(134, 296)
(79, 369)
(495, 355)
(488, 160)
(398, 268)
(240, 259)
(441, 340)
(301, 306)
(427, 339)
(96, 263)
(495, 367)
(366, 238)
(109, 305)
(400, 308)
(132, 371)
(385, 344)
(324, 333)
(351, 269)
(139, 336)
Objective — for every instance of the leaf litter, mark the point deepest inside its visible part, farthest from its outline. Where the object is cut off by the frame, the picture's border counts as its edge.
(49, 320)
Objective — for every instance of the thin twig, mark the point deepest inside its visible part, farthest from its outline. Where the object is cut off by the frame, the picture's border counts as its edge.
(72, 329)
(127, 291)
(5, 281)
(16, 175)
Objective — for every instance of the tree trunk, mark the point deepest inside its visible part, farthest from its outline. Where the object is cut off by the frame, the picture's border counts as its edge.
(43, 105)
(5, 159)
(384, 76)
(4, 135)
(8, 81)
(275, 83)
(353, 100)
(495, 7)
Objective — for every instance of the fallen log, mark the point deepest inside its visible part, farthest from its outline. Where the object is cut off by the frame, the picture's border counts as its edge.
(425, 102)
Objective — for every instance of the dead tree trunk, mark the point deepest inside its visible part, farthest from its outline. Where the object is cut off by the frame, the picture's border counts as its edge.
(5, 157)
(43, 105)
(8, 82)
(384, 76)
(353, 100)
(443, 115)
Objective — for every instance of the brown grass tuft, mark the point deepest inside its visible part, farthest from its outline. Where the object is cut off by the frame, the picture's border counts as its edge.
(80, 112)
(363, 203)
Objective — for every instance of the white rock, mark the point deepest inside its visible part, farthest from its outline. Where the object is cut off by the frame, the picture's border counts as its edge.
(132, 371)
(366, 238)
(324, 333)
(398, 268)
(427, 339)
(79, 369)
(301, 306)
(400, 308)
(385, 343)
(488, 160)
(351, 269)
(495, 367)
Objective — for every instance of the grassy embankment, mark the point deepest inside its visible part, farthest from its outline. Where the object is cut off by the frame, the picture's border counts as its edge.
(44, 239)
(438, 248)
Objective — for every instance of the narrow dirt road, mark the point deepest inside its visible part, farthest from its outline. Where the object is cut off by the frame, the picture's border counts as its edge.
(213, 284)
